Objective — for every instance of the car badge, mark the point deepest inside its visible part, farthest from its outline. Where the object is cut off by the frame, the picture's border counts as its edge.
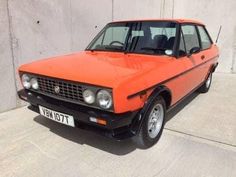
(57, 89)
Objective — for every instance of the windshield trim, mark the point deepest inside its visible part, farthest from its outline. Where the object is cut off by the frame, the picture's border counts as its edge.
(126, 50)
(96, 37)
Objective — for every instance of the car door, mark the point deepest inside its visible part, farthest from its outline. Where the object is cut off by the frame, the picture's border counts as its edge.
(206, 46)
(183, 84)
(193, 62)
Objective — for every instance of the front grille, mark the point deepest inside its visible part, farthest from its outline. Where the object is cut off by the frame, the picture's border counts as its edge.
(59, 88)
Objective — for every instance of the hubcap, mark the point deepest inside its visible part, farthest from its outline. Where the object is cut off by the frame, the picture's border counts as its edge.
(208, 82)
(155, 120)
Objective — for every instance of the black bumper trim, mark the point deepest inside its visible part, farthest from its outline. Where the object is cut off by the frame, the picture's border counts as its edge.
(118, 125)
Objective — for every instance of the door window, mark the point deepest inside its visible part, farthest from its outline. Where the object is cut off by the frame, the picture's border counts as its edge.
(190, 37)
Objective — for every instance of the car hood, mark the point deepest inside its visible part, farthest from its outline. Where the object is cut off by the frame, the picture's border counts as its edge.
(98, 68)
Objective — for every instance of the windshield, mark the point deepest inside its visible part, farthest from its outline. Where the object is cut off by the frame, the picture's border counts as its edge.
(154, 37)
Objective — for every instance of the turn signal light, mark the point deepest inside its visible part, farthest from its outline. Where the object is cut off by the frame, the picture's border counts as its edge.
(98, 121)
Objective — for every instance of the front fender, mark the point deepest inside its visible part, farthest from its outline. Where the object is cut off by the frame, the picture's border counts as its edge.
(138, 121)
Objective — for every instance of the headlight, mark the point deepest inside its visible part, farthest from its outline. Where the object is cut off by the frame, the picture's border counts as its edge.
(26, 81)
(104, 99)
(88, 96)
(34, 83)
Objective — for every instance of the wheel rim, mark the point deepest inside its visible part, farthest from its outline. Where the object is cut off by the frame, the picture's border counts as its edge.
(208, 82)
(155, 120)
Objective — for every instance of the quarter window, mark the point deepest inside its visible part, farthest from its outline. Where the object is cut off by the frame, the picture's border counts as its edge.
(190, 37)
(205, 40)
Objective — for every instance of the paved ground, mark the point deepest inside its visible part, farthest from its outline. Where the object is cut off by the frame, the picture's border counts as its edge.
(199, 141)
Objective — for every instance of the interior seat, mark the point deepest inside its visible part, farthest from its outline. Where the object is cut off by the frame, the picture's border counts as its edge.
(160, 41)
(139, 42)
(170, 43)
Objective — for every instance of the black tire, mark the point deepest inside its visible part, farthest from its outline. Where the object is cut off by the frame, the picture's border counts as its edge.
(207, 84)
(143, 138)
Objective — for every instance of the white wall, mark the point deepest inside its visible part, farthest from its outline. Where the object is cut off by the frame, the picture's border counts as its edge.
(88, 18)
(136, 9)
(34, 29)
(7, 83)
(213, 13)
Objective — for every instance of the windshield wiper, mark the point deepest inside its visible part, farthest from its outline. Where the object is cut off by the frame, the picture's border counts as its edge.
(96, 50)
(107, 48)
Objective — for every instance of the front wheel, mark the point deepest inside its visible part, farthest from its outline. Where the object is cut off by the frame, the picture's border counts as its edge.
(153, 123)
(207, 84)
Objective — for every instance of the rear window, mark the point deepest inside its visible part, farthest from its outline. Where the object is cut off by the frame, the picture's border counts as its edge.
(205, 39)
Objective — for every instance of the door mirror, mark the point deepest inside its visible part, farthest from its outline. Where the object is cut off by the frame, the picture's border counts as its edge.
(194, 50)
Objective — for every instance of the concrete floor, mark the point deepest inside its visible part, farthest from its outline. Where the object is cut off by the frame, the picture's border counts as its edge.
(199, 141)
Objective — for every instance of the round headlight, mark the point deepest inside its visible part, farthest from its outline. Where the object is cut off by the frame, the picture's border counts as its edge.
(34, 83)
(88, 96)
(26, 81)
(104, 99)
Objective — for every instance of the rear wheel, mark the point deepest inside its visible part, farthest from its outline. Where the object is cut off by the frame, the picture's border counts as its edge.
(207, 84)
(153, 124)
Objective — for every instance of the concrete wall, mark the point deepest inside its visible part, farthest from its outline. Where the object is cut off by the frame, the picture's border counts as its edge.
(215, 13)
(34, 29)
(211, 12)
(7, 80)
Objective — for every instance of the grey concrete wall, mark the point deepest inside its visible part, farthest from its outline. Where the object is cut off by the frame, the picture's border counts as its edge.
(212, 12)
(88, 18)
(7, 80)
(34, 29)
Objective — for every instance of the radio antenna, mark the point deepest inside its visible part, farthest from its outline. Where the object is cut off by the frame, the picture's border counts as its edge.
(218, 35)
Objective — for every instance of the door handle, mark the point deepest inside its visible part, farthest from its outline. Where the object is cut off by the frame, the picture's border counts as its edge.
(203, 57)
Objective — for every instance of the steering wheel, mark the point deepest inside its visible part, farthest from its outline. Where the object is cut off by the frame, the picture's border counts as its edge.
(116, 42)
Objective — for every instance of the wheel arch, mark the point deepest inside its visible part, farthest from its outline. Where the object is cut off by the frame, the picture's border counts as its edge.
(166, 95)
(160, 90)
(213, 67)
(163, 91)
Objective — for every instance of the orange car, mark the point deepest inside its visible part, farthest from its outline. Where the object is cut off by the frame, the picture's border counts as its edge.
(126, 79)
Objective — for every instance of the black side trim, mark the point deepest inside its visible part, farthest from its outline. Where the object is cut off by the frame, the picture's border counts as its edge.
(192, 91)
(172, 78)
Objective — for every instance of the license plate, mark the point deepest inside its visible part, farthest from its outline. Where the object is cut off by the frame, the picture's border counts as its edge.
(57, 116)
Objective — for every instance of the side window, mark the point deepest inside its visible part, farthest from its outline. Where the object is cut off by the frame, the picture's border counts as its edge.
(169, 32)
(190, 37)
(182, 50)
(137, 33)
(205, 40)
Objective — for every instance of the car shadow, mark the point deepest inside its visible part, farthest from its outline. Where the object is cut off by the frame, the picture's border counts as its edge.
(81, 136)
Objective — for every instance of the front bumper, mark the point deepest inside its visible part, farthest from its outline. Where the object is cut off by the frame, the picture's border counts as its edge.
(118, 125)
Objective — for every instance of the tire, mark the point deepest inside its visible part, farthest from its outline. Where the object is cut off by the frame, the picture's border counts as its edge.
(152, 125)
(207, 84)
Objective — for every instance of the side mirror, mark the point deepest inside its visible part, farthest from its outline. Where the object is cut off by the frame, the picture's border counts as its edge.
(194, 50)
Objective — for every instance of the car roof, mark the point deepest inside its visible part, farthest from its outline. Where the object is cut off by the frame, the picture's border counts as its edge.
(163, 19)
